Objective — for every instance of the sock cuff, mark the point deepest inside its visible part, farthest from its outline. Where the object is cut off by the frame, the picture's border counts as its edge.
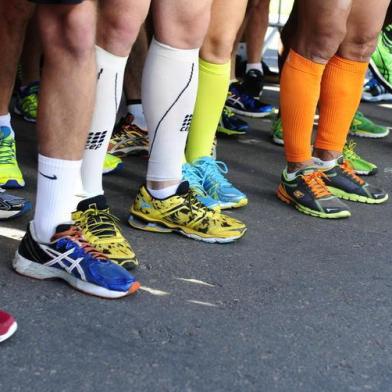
(106, 59)
(348, 65)
(60, 163)
(214, 69)
(184, 55)
(134, 102)
(303, 64)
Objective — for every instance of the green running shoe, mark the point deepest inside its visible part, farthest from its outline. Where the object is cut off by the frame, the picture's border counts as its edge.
(360, 165)
(342, 182)
(308, 193)
(364, 127)
(277, 131)
(381, 60)
(112, 164)
(27, 102)
(10, 174)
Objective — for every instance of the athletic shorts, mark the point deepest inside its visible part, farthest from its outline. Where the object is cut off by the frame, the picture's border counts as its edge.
(60, 2)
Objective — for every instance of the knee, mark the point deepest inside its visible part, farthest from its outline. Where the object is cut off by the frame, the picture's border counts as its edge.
(73, 32)
(359, 47)
(321, 44)
(117, 33)
(218, 48)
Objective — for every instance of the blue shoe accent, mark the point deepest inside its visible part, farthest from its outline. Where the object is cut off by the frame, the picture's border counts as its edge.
(12, 206)
(230, 124)
(246, 105)
(374, 91)
(216, 185)
(12, 184)
(190, 174)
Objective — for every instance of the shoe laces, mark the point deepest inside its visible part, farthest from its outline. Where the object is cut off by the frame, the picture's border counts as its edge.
(74, 236)
(191, 174)
(100, 223)
(7, 153)
(215, 170)
(348, 169)
(194, 205)
(30, 103)
(228, 112)
(349, 150)
(315, 181)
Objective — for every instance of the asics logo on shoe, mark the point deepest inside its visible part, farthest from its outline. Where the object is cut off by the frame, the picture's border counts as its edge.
(54, 177)
(186, 123)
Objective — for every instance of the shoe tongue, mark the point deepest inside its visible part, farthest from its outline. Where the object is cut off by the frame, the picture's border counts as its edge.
(62, 228)
(183, 188)
(254, 73)
(98, 202)
(4, 132)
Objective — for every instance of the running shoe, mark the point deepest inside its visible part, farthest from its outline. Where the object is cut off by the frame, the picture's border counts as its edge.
(112, 164)
(10, 174)
(232, 125)
(216, 185)
(128, 138)
(374, 91)
(308, 193)
(71, 258)
(364, 127)
(246, 105)
(8, 326)
(360, 165)
(12, 206)
(277, 131)
(100, 228)
(195, 180)
(184, 214)
(27, 102)
(252, 83)
(381, 60)
(342, 182)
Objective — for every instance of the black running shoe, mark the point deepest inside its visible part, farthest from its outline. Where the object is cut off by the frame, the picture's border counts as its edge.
(12, 206)
(342, 182)
(71, 258)
(308, 193)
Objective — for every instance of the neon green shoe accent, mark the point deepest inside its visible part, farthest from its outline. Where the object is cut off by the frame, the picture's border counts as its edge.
(277, 131)
(112, 164)
(10, 174)
(360, 165)
(27, 102)
(364, 127)
(381, 60)
(353, 197)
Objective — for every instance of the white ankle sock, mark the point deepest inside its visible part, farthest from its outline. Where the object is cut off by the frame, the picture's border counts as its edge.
(5, 121)
(169, 108)
(56, 201)
(164, 192)
(109, 90)
(324, 164)
(136, 109)
(257, 66)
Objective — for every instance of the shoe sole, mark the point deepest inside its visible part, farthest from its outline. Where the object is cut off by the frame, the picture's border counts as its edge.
(28, 119)
(278, 141)
(230, 206)
(38, 271)
(138, 222)
(248, 114)
(285, 198)
(229, 132)
(5, 215)
(366, 173)
(10, 332)
(369, 135)
(357, 198)
(122, 153)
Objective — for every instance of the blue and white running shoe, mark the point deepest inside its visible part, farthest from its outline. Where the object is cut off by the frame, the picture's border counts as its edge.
(12, 206)
(374, 91)
(217, 186)
(71, 258)
(241, 103)
(192, 175)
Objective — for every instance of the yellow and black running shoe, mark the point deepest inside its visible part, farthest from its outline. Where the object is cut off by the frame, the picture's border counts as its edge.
(183, 213)
(308, 193)
(100, 229)
(343, 182)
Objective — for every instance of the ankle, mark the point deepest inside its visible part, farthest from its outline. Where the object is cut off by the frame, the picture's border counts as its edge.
(293, 167)
(326, 155)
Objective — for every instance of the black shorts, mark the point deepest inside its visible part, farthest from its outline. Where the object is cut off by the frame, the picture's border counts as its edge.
(60, 2)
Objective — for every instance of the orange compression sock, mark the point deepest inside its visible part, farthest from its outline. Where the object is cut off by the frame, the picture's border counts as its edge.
(300, 90)
(341, 90)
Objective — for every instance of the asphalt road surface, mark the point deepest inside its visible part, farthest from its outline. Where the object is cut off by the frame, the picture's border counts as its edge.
(299, 304)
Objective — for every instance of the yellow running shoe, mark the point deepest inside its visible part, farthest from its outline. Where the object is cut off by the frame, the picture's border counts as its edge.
(10, 174)
(101, 230)
(112, 164)
(184, 214)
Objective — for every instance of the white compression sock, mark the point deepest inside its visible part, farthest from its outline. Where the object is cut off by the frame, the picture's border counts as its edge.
(257, 66)
(169, 108)
(136, 109)
(5, 121)
(56, 201)
(109, 90)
